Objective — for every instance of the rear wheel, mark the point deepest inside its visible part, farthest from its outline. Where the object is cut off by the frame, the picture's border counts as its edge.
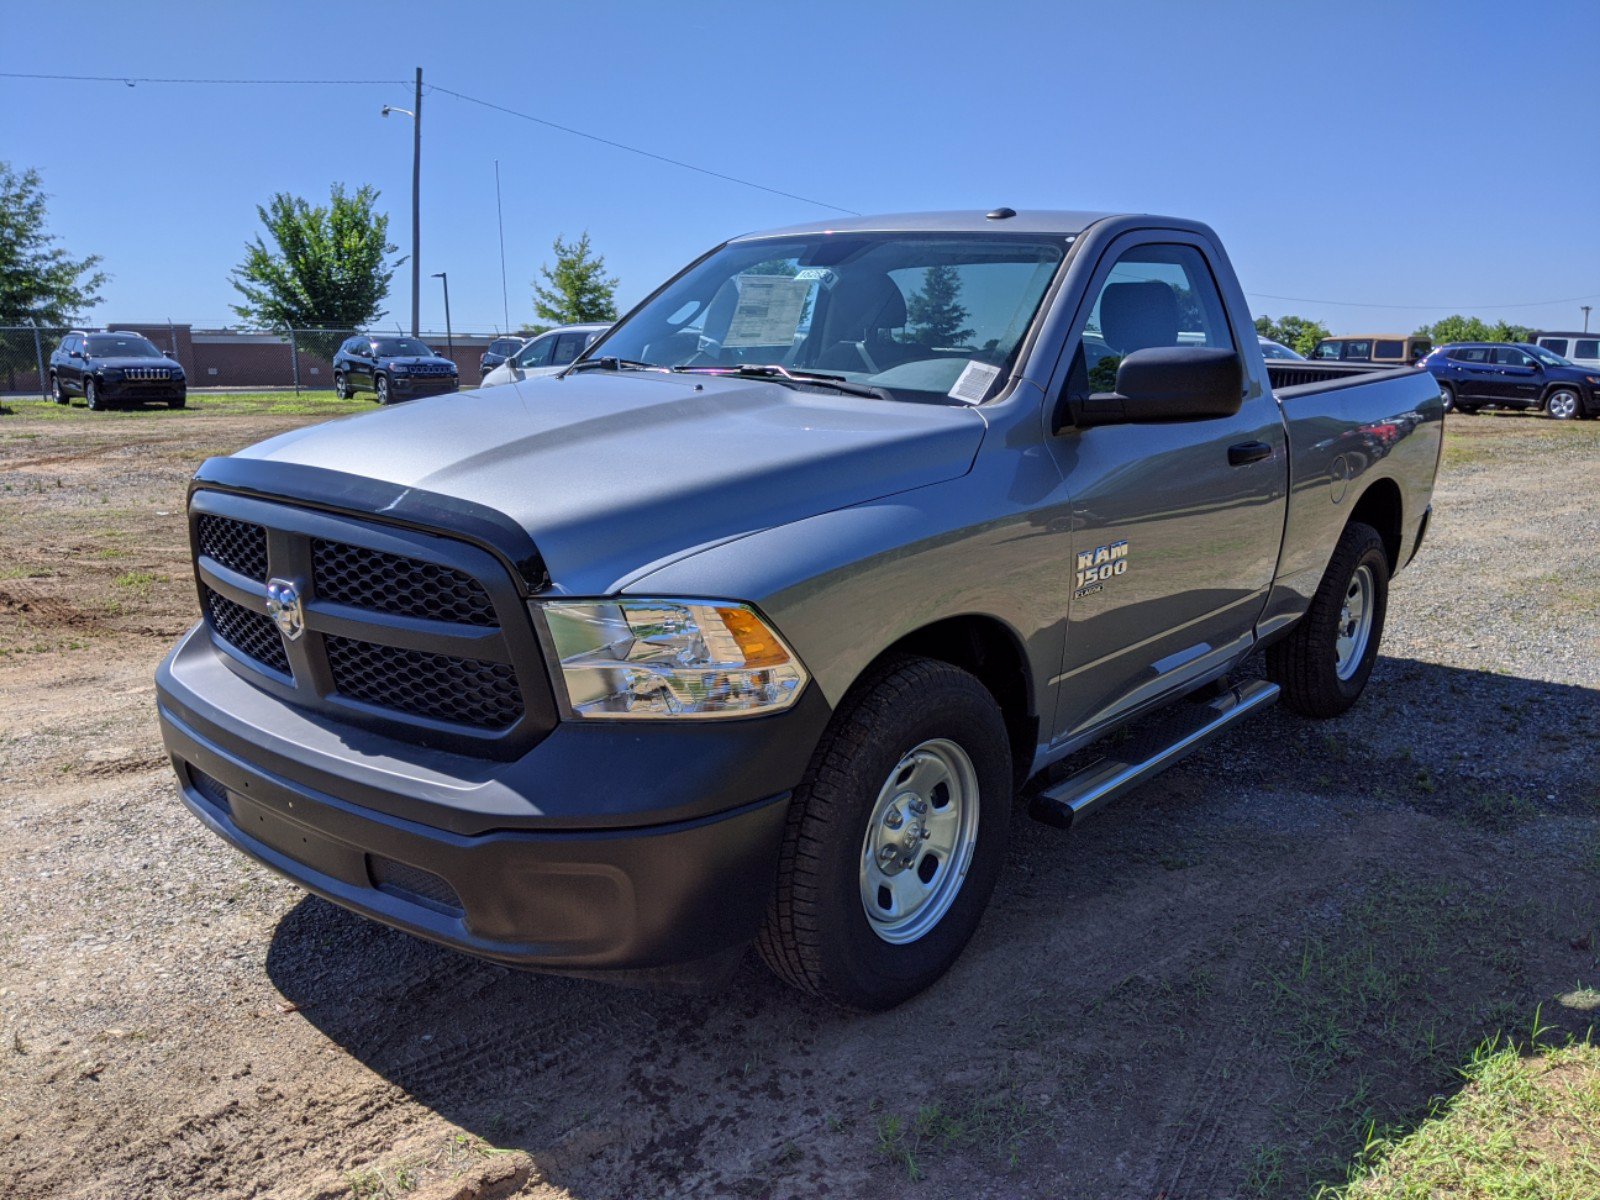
(895, 838)
(56, 391)
(1323, 664)
(341, 387)
(1563, 404)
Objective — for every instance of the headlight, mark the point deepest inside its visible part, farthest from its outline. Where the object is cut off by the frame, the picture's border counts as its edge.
(670, 658)
(1593, 378)
(401, 369)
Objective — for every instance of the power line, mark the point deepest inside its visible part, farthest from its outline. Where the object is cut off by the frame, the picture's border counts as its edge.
(605, 141)
(132, 80)
(1419, 307)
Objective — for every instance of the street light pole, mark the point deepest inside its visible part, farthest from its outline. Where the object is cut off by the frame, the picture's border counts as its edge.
(449, 338)
(500, 214)
(1586, 308)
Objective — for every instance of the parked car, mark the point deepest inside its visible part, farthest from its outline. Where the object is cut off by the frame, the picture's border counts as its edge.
(750, 626)
(1580, 349)
(497, 352)
(1272, 349)
(546, 354)
(1396, 349)
(1476, 375)
(391, 368)
(114, 369)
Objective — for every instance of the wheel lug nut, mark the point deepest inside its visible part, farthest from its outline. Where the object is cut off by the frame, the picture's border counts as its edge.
(919, 806)
(893, 819)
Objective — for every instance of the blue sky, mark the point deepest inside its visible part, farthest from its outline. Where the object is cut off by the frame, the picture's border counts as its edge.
(1416, 159)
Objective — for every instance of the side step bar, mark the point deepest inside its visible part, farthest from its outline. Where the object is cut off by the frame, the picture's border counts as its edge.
(1147, 755)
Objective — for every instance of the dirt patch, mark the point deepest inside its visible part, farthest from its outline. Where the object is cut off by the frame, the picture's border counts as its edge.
(1213, 990)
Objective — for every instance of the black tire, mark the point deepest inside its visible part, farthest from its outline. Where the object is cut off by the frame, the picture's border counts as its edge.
(817, 935)
(341, 386)
(1470, 409)
(1448, 395)
(1564, 404)
(57, 393)
(91, 395)
(1305, 664)
(180, 402)
(381, 384)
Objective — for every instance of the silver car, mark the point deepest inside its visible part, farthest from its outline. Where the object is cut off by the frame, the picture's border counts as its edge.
(545, 354)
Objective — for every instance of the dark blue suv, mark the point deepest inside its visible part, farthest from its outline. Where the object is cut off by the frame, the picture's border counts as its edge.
(1474, 375)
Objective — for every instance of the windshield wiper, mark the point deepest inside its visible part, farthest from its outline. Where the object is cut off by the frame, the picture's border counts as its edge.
(607, 363)
(784, 375)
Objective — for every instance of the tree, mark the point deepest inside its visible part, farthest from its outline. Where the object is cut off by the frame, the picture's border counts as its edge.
(935, 313)
(330, 268)
(578, 291)
(1457, 328)
(1297, 333)
(40, 283)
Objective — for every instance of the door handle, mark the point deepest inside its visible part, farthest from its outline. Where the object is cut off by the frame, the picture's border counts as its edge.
(1248, 452)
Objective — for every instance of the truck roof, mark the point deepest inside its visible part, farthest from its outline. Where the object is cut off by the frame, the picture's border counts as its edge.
(1036, 220)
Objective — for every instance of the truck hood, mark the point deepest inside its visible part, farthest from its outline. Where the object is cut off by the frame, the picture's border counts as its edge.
(614, 474)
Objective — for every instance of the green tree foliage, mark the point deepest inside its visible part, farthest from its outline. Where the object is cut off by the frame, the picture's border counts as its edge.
(1297, 333)
(1457, 328)
(576, 290)
(40, 283)
(329, 267)
(935, 312)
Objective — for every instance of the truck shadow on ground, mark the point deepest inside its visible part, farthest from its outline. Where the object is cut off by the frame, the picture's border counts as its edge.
(1212, 990)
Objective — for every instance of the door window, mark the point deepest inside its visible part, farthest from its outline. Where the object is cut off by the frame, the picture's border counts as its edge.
(1471, 354)
(1389, 350)
(537, 352)
(1356, 351)
(1510, 356)
(1154, 296)
(568, 347)
(1555, 345)
(1586, 348)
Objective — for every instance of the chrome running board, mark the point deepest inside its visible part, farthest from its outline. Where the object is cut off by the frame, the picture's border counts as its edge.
(1147, 754)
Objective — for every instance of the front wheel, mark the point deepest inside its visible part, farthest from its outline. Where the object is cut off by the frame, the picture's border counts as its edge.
(91, 395)
(382, 386)
(1448, 395)
(1563, 404)
(1325, 661)
(895, 838)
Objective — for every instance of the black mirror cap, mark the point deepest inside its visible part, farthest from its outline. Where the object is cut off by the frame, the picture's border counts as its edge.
(1168, 383)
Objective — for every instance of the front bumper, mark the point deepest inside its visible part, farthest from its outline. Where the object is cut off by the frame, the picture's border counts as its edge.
(600, 851)
(132, 392)
(424, 385)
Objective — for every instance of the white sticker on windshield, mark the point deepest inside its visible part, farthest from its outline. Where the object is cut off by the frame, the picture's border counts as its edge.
(769, 311)
(820, 275)
(974, 383)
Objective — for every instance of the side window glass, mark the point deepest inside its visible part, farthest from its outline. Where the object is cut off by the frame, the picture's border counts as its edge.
(1156, 295)
(1390, 349)
(1585, 349)
(1357, 351)
(537, 353)
(1555, 345)
(1506, 356)
(1326, 350)
(1473, 354)
(568, 347)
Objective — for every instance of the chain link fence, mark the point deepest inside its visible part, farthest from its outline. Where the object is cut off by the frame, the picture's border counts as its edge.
(298, 360)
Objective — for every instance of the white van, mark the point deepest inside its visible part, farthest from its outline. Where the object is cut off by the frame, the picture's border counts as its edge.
(1583, 349)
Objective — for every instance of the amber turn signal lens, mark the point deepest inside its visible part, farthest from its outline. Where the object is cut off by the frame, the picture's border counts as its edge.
(760, 648)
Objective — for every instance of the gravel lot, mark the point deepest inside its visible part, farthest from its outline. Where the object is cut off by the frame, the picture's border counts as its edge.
(1210, 991)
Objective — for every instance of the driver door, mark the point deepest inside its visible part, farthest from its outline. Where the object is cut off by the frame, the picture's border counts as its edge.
(1176, 525)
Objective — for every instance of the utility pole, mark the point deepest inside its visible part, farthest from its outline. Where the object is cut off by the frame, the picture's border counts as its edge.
(1586, 309)
(500, 212)
(416, 211)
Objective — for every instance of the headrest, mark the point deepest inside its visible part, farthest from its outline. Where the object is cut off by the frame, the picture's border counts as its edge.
(1137, 316)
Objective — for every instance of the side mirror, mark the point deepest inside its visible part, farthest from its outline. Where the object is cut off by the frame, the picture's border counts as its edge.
(1167, 383)
(74, 353)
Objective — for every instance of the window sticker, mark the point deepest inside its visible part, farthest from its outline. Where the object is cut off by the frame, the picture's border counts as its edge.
(769, 311)
(822, 275)
(974, 383)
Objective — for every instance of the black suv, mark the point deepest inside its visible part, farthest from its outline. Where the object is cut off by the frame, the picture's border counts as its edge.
(497, 352)
(391, 368)
(109, 369)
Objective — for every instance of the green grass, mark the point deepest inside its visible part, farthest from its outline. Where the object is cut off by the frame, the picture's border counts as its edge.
(996, 1126)
(1523, 1128)
(285, 403)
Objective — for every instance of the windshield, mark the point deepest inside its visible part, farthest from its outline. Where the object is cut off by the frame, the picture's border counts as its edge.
(1547, 358)
(904, 313)
(112, 346)
(1277, 350)
(402, 347)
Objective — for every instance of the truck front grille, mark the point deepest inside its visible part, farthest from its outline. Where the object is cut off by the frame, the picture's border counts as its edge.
(413, 884)
(391, 584)
(409, 632)
(147, 374)
(237, 545)
(445, 688)
(249, 632)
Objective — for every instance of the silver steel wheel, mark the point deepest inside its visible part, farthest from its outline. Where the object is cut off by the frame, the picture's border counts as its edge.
(1563, 405)
(1355, 622)
(919, 842)
(383, 389)
(340, 388)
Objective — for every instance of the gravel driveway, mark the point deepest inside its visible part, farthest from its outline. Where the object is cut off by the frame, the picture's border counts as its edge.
(1209, 991)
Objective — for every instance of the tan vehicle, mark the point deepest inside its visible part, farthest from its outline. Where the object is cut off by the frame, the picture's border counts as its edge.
(1396, 348)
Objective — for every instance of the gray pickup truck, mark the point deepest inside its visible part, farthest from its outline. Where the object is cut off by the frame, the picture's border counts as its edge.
(752, 624)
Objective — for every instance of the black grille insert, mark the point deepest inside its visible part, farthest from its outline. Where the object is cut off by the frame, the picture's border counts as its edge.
(413, 884)
(249, 632)
(208, 787)
(463, 690)
(237, 545)
(389, 583)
